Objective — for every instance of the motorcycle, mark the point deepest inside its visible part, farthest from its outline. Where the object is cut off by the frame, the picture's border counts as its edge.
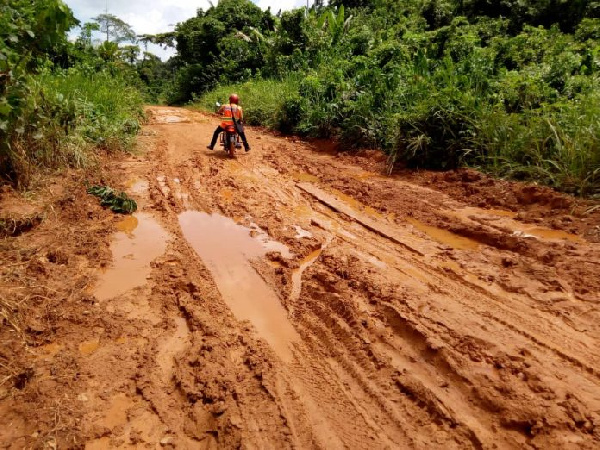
(229, 139)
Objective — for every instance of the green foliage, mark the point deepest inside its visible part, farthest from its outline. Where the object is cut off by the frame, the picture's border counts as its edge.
(224, 44)
(115, 29)
(435, 84)
(118, 202)
(32, 35)
(66, 116)
(265, 102)
(52, 116)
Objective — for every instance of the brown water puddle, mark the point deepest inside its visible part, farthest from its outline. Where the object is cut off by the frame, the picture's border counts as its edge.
(364, 175)
(139, 187)
(521, 229)
(141, 240)
(307, 177)
(51, 349)
(358, 206)
(547, 233)
(163, 117)
(128, 224)
(444, 236)
(226, 249)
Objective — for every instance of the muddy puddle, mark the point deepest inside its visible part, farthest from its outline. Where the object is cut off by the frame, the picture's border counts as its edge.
(302, 233)
(358, 206)
(444, 236)
(140, 240)
(166, 117)
(306, 177)
(507, 219)
(227, 248)
(548, 234)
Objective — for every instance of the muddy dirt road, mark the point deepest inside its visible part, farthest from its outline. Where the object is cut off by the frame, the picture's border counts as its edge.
(296, 298)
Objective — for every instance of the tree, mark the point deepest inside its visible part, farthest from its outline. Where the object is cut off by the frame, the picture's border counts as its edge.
(220, 43)
(85, 37)
(115, 28)
(129, 53)
(351, 3)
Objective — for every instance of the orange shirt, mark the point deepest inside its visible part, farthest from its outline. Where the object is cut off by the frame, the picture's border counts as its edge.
(229, 111)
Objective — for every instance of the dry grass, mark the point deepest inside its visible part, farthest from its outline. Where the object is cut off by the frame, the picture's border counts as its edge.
(14, 226)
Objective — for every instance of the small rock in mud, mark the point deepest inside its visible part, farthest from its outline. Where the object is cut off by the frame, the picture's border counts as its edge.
(168, 440)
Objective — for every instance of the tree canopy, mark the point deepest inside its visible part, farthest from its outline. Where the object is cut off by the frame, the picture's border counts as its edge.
(115, 29)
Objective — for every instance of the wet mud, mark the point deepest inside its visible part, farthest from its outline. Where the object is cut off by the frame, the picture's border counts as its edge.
(297, 298)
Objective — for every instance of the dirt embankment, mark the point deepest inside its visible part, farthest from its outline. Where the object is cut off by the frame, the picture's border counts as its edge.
(296, 298)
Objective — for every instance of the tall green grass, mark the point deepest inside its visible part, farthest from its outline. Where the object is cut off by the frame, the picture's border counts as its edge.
(265, 102)
(66, 117)
(557, 144)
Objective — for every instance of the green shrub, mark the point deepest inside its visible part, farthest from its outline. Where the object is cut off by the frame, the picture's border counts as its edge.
(437, 84)
(65, 116)
(265, 102)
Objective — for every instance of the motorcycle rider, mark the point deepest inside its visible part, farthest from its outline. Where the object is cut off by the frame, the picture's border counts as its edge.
(227, 113)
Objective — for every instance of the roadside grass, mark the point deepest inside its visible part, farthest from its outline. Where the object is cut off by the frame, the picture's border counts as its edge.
(556, 144)
(66, 117)
(263, 101)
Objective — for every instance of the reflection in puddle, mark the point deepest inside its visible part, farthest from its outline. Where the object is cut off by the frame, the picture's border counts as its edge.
(226, 249)
(132, 254)
(128, 224)
(444, 236)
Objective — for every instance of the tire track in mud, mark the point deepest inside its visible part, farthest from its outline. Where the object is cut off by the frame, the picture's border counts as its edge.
(384, 231)
(335, 429)
(400, 346)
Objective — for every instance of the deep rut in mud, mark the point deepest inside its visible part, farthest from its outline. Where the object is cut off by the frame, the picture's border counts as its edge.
(294, 298)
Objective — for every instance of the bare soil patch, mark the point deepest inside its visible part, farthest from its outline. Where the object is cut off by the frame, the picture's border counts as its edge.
(296, 298)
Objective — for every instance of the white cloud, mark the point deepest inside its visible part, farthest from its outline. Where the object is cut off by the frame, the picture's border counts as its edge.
(158, 16)
(284, 5)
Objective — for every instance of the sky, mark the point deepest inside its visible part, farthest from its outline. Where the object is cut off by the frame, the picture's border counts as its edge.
(158, 16)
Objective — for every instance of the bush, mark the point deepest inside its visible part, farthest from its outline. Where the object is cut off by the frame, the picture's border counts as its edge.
(65, 116)
(437, 84)
(274, 104)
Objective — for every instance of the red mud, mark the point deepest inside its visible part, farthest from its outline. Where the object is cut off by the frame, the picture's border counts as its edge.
(297, 298)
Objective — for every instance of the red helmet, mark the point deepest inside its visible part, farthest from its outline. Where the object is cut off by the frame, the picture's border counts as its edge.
(233, 98)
